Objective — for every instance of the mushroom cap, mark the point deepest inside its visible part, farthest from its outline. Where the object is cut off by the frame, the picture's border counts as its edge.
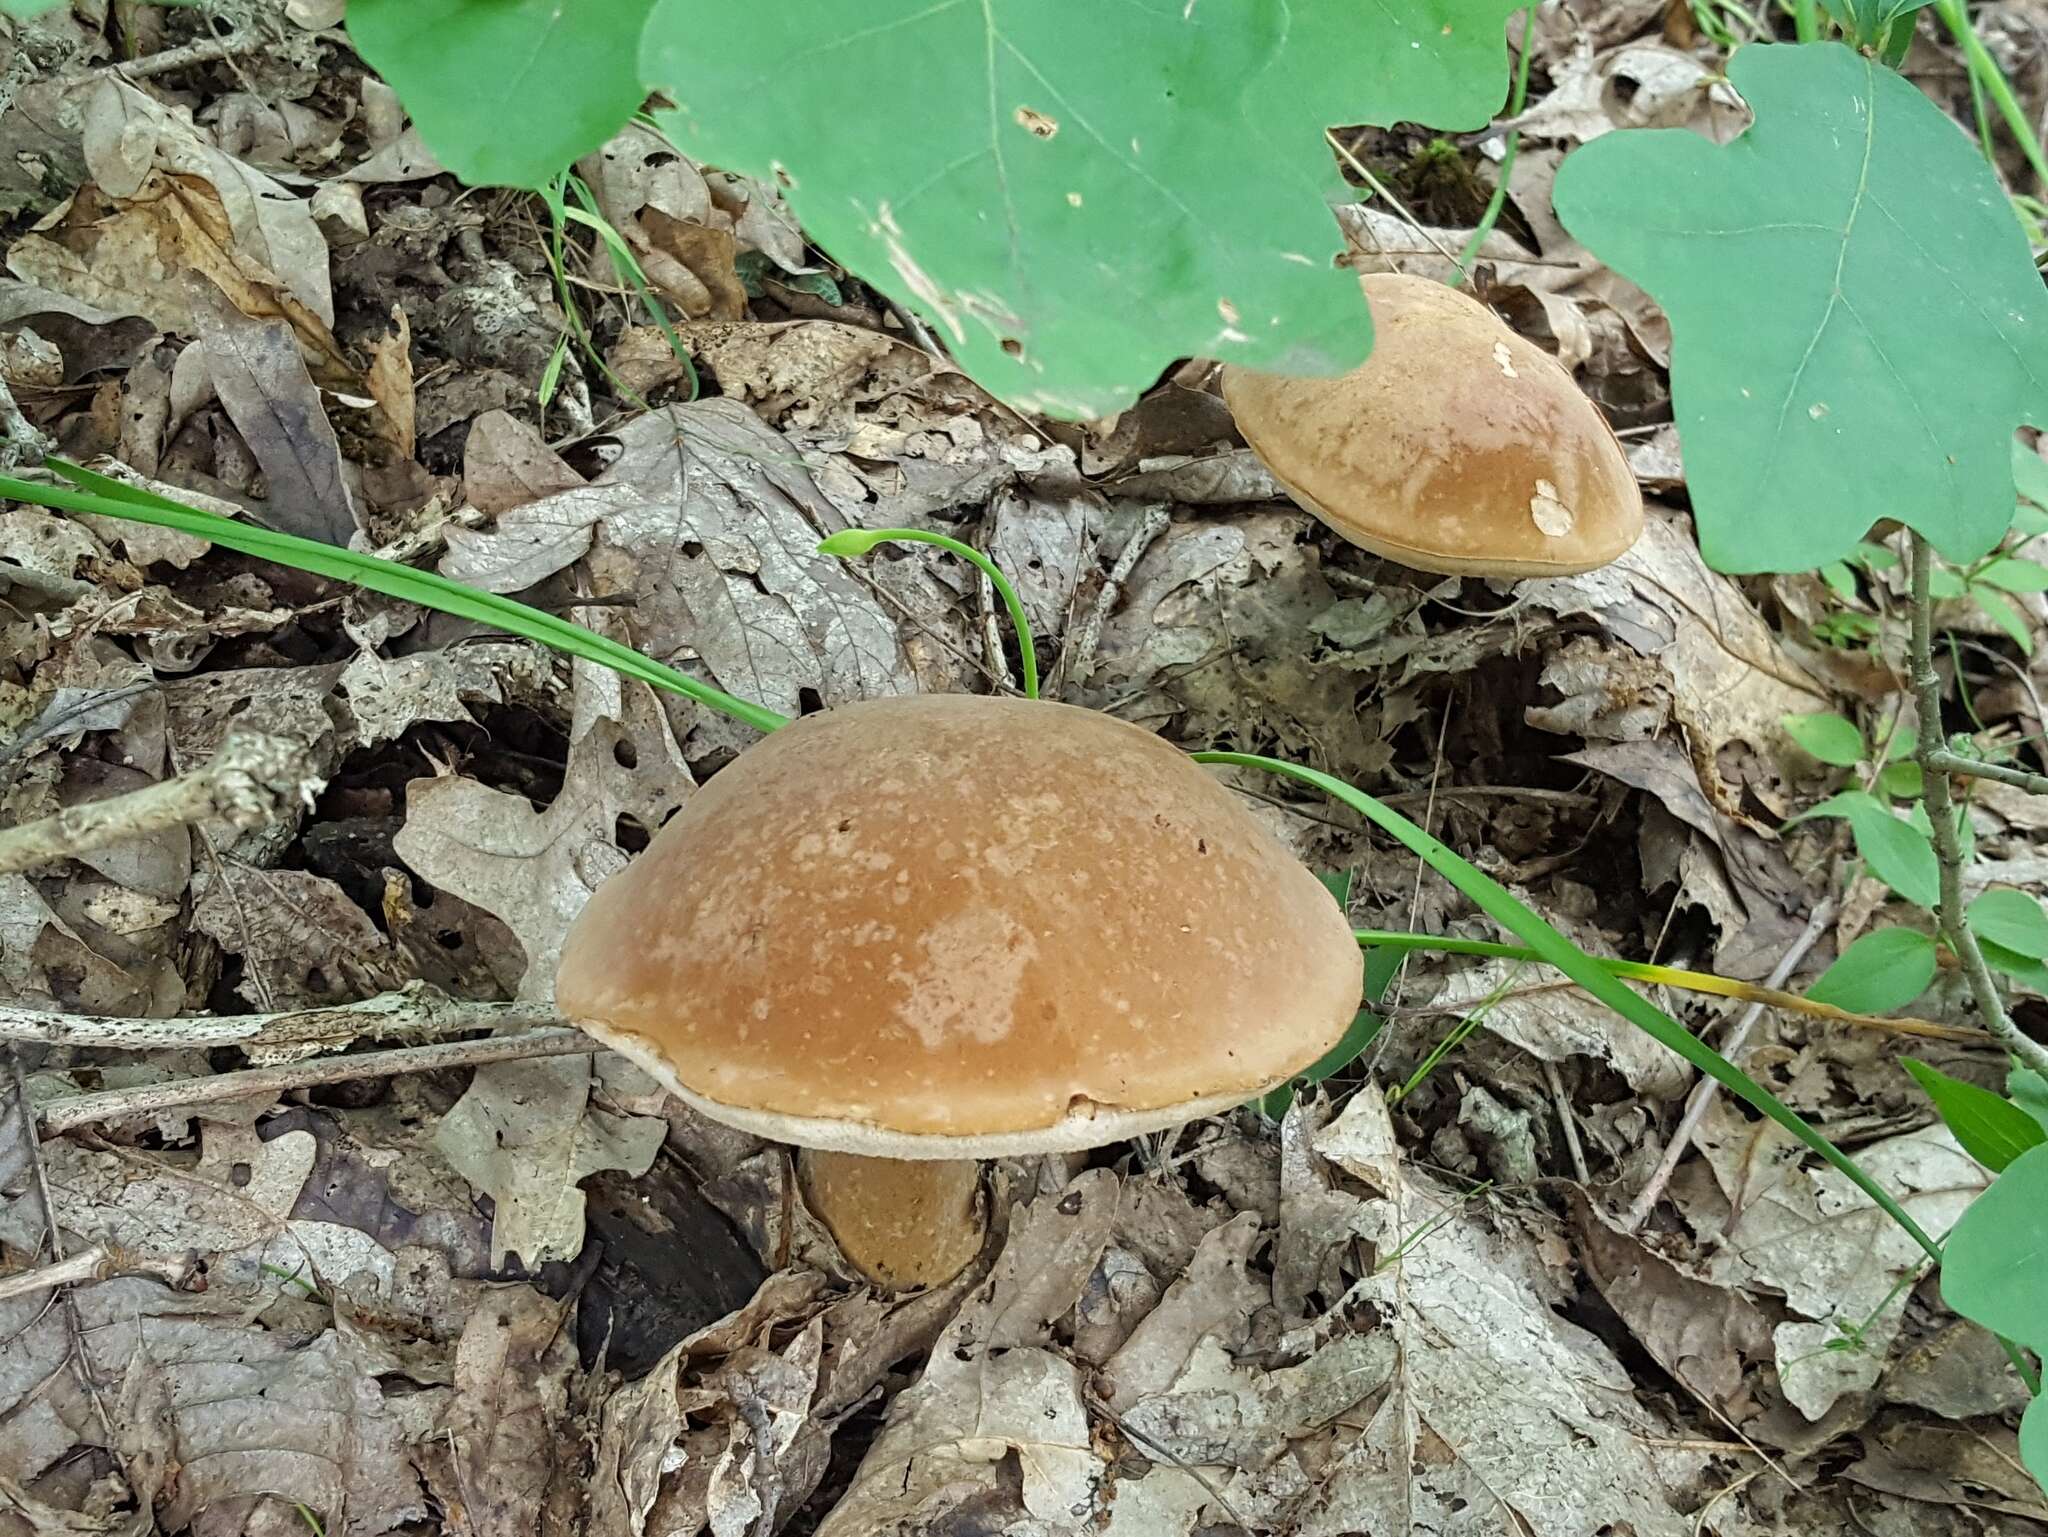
(952, 926)
(1458, 446)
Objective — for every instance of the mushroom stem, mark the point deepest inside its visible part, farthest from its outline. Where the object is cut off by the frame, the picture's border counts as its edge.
(900, 1223)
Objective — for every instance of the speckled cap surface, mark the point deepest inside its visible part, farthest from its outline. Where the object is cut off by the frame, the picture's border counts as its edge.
(1458, 446)
(955, 926)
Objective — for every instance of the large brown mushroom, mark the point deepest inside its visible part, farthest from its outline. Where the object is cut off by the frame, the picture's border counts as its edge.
(1458, 446)
(911, 933)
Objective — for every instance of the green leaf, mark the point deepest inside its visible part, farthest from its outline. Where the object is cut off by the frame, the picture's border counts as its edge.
(1868, 21)
(1993, 1131)
(1827, 737)
(2011, 573)
(1898, 853)
(1903, 780)
(2011, 919)
(1992, 1270)
(2023, 969)
(1885, 969)
(2029, 473)
(1945, 583)
(2029, 1090)
(508, 92)
(1076, 195)
(1841, 580)
(2034, 1440)
(1338, 884)
(1812, 394)
(2005, 616)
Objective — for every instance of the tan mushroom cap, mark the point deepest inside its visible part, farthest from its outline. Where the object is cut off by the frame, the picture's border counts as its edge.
(1458, 446)
(950, 926)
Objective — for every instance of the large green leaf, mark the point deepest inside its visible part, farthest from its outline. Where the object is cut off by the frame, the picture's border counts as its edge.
(1857, 324)
(1884, 969)
(1077, 194)
(1993, 1131)
(1898, 853)
(1994, 1271)
(507, 92)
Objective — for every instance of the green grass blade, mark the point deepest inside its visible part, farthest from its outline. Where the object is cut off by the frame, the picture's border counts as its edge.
(1553, 949)
(93, 493)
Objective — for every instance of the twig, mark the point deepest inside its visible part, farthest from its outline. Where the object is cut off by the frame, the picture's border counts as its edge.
(251, 780)
(991, 632)
(39, 1181)
(148, 1099)
(416, 1013)
(1088, 635)
(1569, 1121)
(1704, 1091)
(205, 50)
(88, 1265)
(1936, 794)
(1956, 765)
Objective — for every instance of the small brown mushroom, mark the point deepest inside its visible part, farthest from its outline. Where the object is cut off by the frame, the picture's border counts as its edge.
(912, 933)
(1458, 446)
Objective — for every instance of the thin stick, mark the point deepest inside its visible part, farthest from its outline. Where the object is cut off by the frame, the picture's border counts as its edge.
(1937, 795)
(1568, 1120)
(206, 50)
(1960, 767)
(252, 780)
(1704, 1091)
(1087, 637)
(148, 1099)
(84, 1266)
(417, 1013)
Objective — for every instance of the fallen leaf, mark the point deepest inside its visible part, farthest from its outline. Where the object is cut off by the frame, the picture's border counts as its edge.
(262, 383)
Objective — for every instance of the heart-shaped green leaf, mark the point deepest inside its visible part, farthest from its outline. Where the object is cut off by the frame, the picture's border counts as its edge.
(1077, 194)
(1857, 325)
(507, 92)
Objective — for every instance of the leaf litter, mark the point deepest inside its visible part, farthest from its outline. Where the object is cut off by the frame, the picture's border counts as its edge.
(1412, 1304)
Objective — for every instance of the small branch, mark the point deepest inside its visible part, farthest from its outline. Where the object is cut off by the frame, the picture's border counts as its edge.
(417, 1013)
(1937, 795)
(1082, 645)
(1957, 766)
(251, 780)
(1704, 1091)
(94, 1264)
(206, 50)
(149, 1099)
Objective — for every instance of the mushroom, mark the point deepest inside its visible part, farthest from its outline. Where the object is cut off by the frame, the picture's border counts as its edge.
(1457, 446)
(909, 933)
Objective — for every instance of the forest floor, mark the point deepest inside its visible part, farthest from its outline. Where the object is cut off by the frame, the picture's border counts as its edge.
(1480, 1281)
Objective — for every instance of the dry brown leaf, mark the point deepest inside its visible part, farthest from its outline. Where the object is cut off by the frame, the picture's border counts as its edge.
(262, 383)
(506, 464)
(389, 379)
(504, 1434)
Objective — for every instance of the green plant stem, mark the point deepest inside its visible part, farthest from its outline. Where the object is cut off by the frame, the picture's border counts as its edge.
(112, 499)
(1983, 68)
(1936, 794)
(1805, 21)
(1973, 768)
(858, 541)
(1553, 949)
(1516, 99)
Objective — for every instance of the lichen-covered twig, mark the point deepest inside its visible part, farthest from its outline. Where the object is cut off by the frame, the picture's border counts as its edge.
(415, 1013)
(154, 1098)
(250, 781)
(1937, 793)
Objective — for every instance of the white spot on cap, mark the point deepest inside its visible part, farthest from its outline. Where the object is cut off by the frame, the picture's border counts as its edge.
(1817, 410)
(1505, 359)
(1228, 311)
(1074, 199)
(1037, 123)
(1552, 516)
